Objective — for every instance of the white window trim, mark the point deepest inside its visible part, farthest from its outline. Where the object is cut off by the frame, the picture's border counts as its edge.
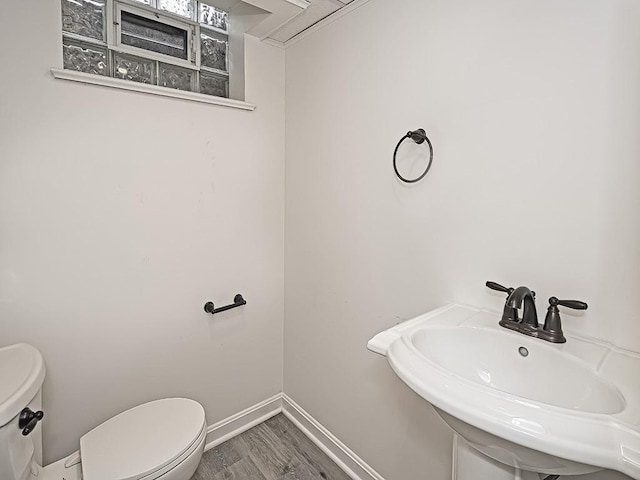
(111, 82)
(148, 55)
(190, 62)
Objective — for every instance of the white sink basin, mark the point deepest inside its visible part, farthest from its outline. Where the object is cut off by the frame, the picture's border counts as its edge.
(562, 409)
(493, 359)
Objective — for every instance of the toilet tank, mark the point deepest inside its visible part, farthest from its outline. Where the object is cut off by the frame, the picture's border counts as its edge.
(22, 372)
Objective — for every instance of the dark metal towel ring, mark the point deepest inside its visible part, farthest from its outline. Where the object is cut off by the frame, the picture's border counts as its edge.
(419, 136)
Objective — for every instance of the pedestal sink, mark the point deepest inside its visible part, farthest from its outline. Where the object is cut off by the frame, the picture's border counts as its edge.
(556, 409)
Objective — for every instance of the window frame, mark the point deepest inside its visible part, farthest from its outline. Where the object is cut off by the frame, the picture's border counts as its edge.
(189, 62)
(112, 35)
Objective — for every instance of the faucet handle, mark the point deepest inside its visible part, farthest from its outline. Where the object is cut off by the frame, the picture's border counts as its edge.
(575, 304)
(552, 329)
(499, 288)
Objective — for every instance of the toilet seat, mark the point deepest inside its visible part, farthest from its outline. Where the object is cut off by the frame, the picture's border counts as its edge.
(144, 442)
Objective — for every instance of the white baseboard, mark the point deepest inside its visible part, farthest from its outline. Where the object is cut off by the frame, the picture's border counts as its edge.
(344, 457)
(234, 425)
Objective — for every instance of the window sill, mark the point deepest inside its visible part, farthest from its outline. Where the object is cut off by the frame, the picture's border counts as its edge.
(151, 89)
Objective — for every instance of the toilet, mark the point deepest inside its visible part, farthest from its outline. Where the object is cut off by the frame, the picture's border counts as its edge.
(160, 439)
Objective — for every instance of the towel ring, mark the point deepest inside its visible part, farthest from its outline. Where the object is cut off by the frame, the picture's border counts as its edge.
(419, 136)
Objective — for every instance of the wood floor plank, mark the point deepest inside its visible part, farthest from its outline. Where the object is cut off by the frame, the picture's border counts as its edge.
(268, 452)
(305, 448)
(216, 460)
(243, 469)
(273, 450)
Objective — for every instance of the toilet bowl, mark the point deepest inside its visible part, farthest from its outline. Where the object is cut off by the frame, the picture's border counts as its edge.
(160, 439)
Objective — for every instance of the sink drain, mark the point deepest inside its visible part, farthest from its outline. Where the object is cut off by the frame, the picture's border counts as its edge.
(523, 352)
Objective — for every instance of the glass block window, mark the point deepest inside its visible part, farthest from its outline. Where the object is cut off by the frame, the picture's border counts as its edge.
(176, 77)
(85, 57)
(214, 46)
(212, 84)
(179, 44)
(135, 69)
(213, 17)
(213, 51)
(184, 8)
(84, 18)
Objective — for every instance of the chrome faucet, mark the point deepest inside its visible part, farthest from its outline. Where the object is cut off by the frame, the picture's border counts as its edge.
(528, 324)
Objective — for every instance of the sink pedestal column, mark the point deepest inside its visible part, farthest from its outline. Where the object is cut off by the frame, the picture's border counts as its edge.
(469, 464)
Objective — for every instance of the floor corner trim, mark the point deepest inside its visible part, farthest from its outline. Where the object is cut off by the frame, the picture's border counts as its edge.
(342, 455)
(242, 421)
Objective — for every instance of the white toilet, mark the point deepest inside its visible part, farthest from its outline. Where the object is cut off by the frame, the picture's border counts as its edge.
(160, 439)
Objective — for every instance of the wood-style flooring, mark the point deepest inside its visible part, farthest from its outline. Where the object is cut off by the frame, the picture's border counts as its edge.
(273, 450)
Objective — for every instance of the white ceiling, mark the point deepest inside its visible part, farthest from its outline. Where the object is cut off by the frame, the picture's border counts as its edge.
(316, 11)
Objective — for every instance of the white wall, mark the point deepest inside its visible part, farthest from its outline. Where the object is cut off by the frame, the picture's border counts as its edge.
(532, 108)
(121, 214)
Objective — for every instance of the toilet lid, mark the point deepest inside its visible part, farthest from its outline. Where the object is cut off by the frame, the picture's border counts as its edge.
(141, 440)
